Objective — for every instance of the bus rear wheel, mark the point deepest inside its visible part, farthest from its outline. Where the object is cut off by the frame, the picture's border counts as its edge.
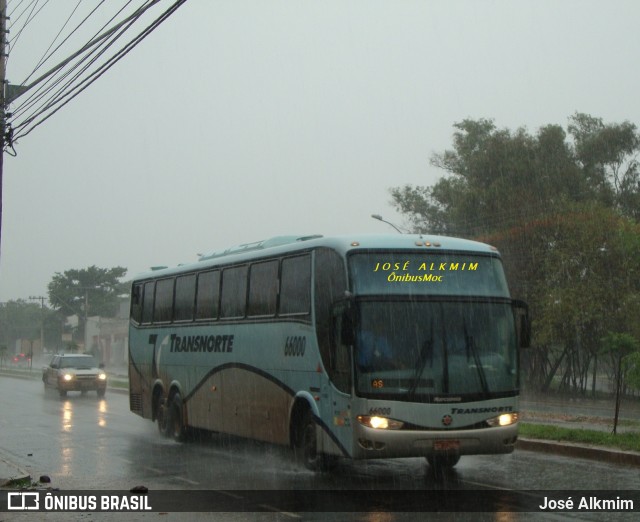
(175, 423)
(161, 416)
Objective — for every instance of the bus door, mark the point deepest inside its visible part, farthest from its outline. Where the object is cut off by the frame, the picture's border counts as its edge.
(336, 391)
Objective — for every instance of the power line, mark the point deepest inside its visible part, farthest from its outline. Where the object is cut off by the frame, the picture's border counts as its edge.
(90, 44)
(43, 59)
(30, 18)
(31, 124)
(60, 93)
(74, 31)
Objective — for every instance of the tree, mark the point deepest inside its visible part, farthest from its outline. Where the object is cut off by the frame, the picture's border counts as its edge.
(495, 178)
(87, 292)
(19, 320)
(607, 155)
(563, 209)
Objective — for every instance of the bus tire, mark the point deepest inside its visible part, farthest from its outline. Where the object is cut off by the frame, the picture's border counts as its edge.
(446, 461)
(161, 414)
(175, 423)
(312, 459)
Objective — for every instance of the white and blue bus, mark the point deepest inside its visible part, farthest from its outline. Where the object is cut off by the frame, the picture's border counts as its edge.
(360, 347)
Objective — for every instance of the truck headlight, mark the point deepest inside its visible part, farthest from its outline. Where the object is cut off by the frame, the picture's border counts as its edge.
(67, 377)
(102, 376)
(380, 423)
(506, 419)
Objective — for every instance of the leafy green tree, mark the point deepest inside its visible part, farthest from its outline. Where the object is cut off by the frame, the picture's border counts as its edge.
(494, 179)
(497, 178)
(87, 292)
(562, 207)
(607, 155)
(19, 320)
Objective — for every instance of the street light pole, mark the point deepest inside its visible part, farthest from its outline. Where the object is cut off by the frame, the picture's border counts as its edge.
(379, 218)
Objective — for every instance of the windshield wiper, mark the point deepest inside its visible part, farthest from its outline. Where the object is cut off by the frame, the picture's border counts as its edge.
(426, 354)
(470, 346)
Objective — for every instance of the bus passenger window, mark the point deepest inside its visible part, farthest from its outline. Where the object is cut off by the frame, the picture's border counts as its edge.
(263, 289)
(234, 292)
(136, 303)
(208, 295)
(163, 307)
(185, 298)
(295, 288)
(147, 301)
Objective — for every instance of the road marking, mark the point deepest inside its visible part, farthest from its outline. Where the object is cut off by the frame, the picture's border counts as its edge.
(276, 510)
(155, 470)
(488, 486)
(192, 482)
(232, 495)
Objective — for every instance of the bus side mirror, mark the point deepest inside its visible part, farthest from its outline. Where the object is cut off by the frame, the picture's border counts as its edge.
(347, 334)
(344, 321)
(523, 322)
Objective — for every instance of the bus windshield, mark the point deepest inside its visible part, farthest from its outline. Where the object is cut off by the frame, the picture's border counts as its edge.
(431, 351)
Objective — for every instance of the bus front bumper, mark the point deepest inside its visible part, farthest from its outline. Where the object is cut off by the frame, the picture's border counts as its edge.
(371, 443)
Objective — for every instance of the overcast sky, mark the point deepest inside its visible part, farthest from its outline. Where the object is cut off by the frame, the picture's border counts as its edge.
(237, 121)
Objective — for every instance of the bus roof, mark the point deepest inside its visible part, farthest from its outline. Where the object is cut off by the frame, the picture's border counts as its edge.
(282, 245)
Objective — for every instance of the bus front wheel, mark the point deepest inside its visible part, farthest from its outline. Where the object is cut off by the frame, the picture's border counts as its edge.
(443, 462)
(308, 446)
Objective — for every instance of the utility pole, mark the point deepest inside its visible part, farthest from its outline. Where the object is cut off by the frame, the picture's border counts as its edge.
(3, 62)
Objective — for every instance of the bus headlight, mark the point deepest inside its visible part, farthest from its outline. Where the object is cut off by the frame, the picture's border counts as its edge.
(381, 423)
(67, 377)
(506, 419)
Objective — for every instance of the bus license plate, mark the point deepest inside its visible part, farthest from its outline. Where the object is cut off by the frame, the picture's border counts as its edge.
(445, 445)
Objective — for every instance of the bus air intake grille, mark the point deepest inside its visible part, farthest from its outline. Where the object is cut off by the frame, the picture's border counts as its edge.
(135, 402)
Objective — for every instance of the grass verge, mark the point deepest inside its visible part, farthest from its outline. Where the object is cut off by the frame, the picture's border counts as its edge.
(623, 441)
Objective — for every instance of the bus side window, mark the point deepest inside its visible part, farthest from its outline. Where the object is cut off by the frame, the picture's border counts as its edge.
(163, 306)
(185, 298)
(234, 292)
(295, 287)
(136, 303)
(147, 301)
(340, 359)
(208, 295)
(330, 285)
(263, 289)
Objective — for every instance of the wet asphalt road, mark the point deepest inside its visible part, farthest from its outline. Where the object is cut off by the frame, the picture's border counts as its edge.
(83, 442)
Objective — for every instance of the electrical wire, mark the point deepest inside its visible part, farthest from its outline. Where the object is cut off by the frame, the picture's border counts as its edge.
(28, 127)
(93, 42)
(43, 59)
(73, 32)
(15, 20)
(28, 102)
(13, 42)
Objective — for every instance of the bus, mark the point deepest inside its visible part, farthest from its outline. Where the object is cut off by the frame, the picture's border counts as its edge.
(362, 347)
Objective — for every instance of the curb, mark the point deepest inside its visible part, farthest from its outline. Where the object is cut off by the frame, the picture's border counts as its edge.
(9, 472)
(568, 449)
